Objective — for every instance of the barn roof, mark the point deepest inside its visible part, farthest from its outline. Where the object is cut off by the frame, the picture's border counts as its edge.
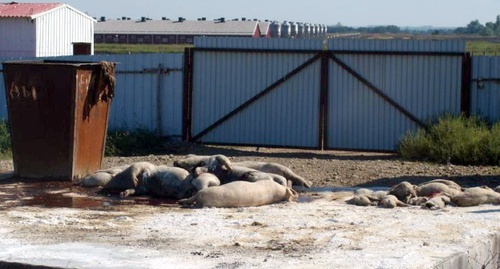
(33, 10)
(191, 27)
(25, 10)
(264, 26)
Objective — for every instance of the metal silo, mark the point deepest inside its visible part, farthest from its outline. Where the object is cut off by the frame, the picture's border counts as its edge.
(294, 29)
(314, 30)
(323, 30)
(275, 29)
(300, 30)
(285, 30)
(307, 30)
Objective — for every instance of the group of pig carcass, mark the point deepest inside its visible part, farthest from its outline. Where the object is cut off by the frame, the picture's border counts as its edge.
(212, 181)
(215, 181)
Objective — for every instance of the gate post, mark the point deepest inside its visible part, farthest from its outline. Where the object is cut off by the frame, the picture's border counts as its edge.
(187, 94)
(323, 96)
(466, 84)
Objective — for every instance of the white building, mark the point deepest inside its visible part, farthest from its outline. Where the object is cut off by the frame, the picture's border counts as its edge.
(44, 30)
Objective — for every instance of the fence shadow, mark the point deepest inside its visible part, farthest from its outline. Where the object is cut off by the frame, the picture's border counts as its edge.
(182, 148)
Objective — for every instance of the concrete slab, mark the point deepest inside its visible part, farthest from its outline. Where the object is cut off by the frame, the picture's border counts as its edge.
(319, 231)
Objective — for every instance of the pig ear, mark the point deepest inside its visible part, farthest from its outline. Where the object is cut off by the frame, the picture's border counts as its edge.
(224, 161)
(199, 170)
(291, 194)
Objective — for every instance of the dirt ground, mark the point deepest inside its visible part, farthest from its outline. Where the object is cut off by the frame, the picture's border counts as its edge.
(62, 225)
(328, 168)
(335, 168)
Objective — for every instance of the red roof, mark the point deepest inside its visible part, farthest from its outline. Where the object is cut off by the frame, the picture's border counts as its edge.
(22, 10)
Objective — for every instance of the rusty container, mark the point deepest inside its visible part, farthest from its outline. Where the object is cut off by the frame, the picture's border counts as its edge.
(58, 115)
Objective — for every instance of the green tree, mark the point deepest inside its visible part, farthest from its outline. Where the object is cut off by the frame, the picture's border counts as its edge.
(460, 31)
(339, 28)
(486, 31)
(496, 26)
(474, 27)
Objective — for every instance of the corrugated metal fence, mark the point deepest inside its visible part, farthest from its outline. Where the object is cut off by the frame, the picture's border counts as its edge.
(378, 91)
(342, 94)
(239, 94)
(149, 91)
(307, 93)
(485, 87)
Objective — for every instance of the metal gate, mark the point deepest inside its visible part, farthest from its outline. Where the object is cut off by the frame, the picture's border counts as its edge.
(247, 97)
(376, 96)
(345, 97)
(485, 87)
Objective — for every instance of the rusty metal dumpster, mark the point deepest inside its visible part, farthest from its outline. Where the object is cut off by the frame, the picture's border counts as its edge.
(58, 115)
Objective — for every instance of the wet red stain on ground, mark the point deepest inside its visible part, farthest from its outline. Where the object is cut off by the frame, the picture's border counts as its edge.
(16, 192)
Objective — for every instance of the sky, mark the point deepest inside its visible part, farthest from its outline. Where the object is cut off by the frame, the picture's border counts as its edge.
(354, 13)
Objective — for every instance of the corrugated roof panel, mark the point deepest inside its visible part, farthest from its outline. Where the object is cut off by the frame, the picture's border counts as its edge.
(176, 27)
(23, 10)
(264, 26)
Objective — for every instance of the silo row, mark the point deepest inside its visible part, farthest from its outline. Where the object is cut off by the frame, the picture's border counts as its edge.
(288, 29)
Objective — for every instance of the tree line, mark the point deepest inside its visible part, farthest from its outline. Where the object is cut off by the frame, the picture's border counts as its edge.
(473, 28)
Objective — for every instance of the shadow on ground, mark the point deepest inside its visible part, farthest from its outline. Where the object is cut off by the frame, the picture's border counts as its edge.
(182, 148)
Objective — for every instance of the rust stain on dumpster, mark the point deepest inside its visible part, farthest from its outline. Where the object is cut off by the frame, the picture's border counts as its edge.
(58, 114)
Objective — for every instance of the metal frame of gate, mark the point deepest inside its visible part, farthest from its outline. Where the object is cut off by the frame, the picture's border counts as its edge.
(311, 57)
(326, 58)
